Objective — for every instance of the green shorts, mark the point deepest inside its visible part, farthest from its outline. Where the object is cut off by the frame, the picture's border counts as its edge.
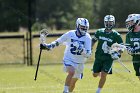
(102, 65)
(137, 68)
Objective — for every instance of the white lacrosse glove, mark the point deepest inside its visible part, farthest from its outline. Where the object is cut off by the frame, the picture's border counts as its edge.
(115, 55)
(118, 47)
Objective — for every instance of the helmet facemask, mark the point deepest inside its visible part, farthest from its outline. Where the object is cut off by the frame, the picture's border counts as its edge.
(83, 29)
(82, 26)
(130, 25)
(109, 22)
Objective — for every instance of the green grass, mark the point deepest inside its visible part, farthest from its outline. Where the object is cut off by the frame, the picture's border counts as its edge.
(20, 79)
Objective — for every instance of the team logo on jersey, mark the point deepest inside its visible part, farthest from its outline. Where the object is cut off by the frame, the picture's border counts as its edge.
(106, 39)
(134, 39)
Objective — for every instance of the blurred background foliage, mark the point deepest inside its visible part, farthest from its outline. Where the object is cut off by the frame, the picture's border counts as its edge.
(62, 14)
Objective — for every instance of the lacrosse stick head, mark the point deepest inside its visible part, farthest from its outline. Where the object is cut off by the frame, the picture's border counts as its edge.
(43, 34)
(117, 48)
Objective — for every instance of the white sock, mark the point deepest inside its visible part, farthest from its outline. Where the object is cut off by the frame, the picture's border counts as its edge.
(66, 88)
(98, 90)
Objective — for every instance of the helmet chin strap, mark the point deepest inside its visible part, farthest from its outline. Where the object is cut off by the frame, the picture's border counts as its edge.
(79, 32)
(132, 28)
(108, 28)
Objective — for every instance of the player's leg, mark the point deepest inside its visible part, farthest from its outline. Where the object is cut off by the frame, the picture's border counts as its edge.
(137, 69)
(72, 84)
(103, 75)
(70, 70)
(101, 81)
(78, 75)
(95, 74)
(96, 68)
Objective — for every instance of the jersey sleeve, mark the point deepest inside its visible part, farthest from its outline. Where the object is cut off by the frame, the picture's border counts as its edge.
(119, 39)
(63, 38)
(95, 36)
(88, 44)
(127, 39)
(87, 51)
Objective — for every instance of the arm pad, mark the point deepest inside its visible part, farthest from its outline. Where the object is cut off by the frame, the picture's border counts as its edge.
(49, 46)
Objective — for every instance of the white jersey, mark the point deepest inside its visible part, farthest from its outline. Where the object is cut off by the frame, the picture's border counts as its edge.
(70, 53)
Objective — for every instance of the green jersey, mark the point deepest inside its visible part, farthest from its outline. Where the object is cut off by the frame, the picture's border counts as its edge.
(107, 38)
(133, 38)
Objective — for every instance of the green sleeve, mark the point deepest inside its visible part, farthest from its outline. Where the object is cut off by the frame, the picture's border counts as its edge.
(119, 39)
(127, 39)
(96, 35)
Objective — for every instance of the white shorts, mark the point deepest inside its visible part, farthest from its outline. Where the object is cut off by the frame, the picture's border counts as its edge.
(79, 67)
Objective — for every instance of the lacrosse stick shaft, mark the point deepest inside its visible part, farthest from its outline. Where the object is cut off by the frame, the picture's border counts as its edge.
(110, 68)
(124, 65)
(38, 64)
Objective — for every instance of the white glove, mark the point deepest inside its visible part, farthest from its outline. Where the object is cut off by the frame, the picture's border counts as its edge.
(115, 55)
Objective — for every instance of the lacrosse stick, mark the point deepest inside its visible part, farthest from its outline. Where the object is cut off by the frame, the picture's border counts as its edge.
(43, 34)
(118, 48)
(119, 60)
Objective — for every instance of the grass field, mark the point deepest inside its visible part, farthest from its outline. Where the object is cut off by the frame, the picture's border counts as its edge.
(20, 78)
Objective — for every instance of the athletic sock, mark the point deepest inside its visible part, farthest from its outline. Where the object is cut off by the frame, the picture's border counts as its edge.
(98, 90)
(66, 88)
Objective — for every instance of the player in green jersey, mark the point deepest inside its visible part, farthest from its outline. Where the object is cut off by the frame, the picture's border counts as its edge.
(103, 59)
(133, 40)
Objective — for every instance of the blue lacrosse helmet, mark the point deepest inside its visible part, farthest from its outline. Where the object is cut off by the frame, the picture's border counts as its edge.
(82, 26)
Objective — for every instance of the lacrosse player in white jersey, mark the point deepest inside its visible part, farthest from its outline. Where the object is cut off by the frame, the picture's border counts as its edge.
(78, 49)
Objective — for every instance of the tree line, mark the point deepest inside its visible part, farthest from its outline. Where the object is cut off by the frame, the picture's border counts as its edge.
(62, 14)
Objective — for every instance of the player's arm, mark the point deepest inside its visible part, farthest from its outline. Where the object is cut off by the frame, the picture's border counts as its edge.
(119, 43)
(93, 41)
(49, 46)
(87, 50)
(114, 51)
(117, 48)
(129, 47)
(55, 43)
(94, 38)
(132, 50)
